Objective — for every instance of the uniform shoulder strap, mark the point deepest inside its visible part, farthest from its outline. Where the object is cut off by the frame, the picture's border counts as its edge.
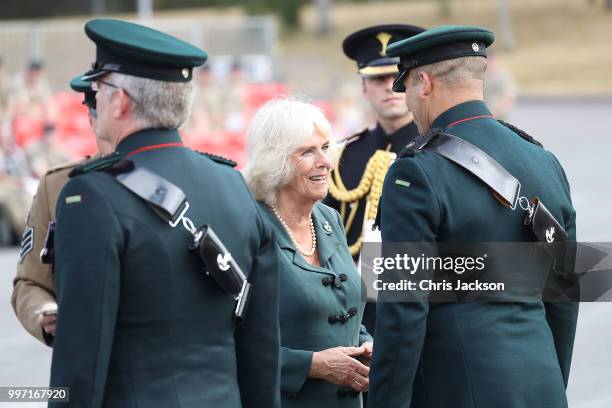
(353, 138)
(67, 166)
(480, 164)
(418, 143)
(521, 133)
(163, 196)
(98, 164)
(219, 159)
(471, 158)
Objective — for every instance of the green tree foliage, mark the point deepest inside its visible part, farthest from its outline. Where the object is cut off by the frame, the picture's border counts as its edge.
(26, 9)
(287, 10)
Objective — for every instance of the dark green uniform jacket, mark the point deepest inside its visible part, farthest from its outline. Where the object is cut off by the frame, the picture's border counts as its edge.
(351, 167)
(354, 159)
(514, 355)
(310, 299)
(139, 324)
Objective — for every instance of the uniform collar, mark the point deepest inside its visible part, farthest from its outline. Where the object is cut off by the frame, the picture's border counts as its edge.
(149, 139)
(398, 139)
(465, 110)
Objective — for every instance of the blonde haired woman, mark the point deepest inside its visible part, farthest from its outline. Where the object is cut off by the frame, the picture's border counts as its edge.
(325, 350)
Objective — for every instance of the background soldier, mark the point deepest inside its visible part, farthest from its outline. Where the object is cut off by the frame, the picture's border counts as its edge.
(356, 182)
(471, 354)
(139, 323)
(33, 298)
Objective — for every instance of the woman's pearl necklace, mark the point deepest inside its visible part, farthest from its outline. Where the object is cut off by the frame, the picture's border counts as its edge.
(312, 233)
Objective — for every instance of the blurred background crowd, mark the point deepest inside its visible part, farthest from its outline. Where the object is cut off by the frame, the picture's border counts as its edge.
(549, 73)
(257, 52)
(41, 128)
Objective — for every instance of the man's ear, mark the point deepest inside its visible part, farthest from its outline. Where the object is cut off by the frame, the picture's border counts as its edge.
(426, 84)
(125, 104)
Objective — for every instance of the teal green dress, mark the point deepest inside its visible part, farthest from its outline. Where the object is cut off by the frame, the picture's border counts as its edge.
(311, 300)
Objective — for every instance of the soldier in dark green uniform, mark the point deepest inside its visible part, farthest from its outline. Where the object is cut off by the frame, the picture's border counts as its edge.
(466, 354)
(363, 161)
(355, 184)
(139, 322)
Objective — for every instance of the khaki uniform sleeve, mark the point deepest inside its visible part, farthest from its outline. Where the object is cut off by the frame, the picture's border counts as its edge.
(33, 286)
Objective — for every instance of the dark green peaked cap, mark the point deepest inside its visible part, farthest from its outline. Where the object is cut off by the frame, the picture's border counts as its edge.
(438, 44)
(141, 51)
(79, 85)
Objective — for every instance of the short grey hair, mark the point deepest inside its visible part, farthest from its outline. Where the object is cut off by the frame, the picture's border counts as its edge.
(454, 72)
(157, 104)
(278, 128)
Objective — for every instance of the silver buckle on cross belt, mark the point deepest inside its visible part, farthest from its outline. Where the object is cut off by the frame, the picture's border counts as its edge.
(187, 223)
(526, 205)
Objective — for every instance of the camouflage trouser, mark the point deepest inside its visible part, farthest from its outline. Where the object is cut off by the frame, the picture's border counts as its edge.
(14, 205)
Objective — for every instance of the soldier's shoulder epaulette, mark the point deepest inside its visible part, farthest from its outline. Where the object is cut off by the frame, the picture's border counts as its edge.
(408, 151)
(219, 159)
(419, 143)
(69, 165)
(97, 164)
(353, 138)
(521, 133)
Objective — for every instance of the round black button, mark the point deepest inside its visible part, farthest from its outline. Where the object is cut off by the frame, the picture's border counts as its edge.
(326, 281)
(332, 319)
(343, 277)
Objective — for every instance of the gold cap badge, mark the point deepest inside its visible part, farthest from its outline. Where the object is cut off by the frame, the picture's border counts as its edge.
(384, 39)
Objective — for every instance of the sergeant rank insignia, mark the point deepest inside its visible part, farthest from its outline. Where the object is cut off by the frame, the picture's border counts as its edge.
(27, 243)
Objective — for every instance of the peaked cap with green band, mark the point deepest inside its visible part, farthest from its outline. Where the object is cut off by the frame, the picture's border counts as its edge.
(141, 51)
(438, 44)
(79, 85)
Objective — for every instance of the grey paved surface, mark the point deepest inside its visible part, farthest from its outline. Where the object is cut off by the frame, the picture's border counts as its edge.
(579, 133)
(23, 360)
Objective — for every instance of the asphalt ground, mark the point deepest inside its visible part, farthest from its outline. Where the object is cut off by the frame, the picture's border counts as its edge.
(577, 131)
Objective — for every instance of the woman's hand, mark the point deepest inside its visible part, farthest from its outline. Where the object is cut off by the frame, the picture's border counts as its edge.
(338, 365)
(366, 356)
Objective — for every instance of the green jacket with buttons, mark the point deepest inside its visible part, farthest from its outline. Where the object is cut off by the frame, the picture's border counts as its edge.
(319, 308)
(471, 355)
